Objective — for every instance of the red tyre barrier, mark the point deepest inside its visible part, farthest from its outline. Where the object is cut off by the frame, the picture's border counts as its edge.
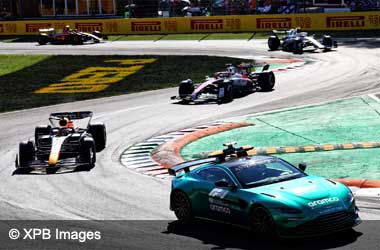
(360, 183)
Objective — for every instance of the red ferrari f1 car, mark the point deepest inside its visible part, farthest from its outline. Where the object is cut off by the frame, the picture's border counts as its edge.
(236, 81)
(68, 36)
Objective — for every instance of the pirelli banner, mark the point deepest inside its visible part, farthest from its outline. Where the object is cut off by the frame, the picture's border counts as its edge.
(251, 23)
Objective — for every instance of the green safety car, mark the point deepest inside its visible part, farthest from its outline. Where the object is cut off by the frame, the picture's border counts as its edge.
(265, 193)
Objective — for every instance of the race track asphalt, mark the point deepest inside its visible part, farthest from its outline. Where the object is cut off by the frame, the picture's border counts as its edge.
(112, 192)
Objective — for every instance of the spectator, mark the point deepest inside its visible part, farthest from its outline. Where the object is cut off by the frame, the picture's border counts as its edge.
(5, 14)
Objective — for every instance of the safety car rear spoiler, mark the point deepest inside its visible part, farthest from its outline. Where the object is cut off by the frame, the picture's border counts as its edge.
(186, 165)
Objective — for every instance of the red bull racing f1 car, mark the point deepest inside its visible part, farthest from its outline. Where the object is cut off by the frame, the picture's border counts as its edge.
(236, 81)
(70, 141)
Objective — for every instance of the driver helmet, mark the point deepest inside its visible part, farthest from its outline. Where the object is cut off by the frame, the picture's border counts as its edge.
(66, 123)
(66, 28)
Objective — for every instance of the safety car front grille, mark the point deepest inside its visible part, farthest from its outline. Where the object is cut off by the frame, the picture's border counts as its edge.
(326, 224)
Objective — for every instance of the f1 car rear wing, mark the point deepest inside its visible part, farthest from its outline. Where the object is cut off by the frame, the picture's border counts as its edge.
(186, 165)
(72, 115)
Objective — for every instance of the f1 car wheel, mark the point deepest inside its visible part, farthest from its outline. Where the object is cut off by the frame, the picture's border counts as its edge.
(266, 81)
(181, 206)
(88, 153)
(186, 88)
(327, 42)
(98, 132)
(274, 42)
(40, 131)
(262, 222)
(77, 40)
(297, 47)
(42, 40)
(26, 153)
(228, 92)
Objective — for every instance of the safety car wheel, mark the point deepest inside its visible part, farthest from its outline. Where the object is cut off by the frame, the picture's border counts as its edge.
(262, 222)
(266, 81)
(26, 153)
(181, 206)
(273, 43)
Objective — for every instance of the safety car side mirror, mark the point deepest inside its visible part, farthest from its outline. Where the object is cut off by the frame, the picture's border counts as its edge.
(302, 166)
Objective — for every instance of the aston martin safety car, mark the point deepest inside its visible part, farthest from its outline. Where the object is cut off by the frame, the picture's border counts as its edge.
(70, 141)
(265, 193)
(297, 42)
(238, 80)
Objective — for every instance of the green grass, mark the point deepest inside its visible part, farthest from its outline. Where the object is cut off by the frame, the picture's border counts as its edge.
(343, 121)
(21, 76)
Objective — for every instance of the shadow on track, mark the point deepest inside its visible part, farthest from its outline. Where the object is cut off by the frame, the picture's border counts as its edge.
(224, 236)
(20, 171)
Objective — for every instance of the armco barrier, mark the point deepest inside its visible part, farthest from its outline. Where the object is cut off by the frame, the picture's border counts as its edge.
(248, 23)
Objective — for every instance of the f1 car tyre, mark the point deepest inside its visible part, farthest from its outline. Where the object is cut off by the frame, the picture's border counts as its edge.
(273, 43)
(77, 39)
(297, 47)
(181, 206)
(228, 93)
(88, 153)
(262, 222)
(98, 132)
(41, 130)
(266, 81)
(327, 42)
(186, 88)
(42, 40)
(26, 153)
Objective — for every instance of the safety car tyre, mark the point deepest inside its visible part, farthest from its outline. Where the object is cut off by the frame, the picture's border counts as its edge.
(181, 206)
(98, 132)
(273, 43)
(26, 154)
(262, 223)
(266, 81)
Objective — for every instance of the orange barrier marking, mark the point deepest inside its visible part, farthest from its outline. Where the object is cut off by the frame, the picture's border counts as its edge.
(290, 149)
(367, 144)
(271, 150)
(328, 147)
(309, 148)
(348, 146)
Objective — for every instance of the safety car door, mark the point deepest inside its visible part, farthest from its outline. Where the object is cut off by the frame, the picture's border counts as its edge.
(220, 203)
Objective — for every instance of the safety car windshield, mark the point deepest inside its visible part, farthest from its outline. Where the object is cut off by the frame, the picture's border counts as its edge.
(259, 173)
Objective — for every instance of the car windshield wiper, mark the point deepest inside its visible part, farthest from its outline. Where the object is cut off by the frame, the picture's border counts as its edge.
(271, 180)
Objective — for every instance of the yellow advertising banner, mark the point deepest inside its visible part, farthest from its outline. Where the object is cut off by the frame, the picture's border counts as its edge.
(248, 23)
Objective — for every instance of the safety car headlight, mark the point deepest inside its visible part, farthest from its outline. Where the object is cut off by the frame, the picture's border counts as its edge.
(350, 197)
